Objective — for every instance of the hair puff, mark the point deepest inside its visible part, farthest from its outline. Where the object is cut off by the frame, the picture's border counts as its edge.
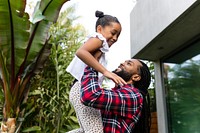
(99, 14)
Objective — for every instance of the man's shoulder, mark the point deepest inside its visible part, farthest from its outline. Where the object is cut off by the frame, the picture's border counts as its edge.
(128, 89)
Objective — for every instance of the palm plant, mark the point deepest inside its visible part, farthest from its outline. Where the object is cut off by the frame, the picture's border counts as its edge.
(23, 50)
(49, 107)
(66, 39)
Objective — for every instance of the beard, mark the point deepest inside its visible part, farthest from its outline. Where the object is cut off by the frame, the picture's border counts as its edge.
(123, 74)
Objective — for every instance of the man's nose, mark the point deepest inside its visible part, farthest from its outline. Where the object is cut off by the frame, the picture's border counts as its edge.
(122, 64)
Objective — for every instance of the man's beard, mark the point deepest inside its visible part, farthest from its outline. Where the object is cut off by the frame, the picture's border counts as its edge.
(123, 74)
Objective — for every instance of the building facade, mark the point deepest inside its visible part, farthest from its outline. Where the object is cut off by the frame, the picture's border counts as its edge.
(167, 32)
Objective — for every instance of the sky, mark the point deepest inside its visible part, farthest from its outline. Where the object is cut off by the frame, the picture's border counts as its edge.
(121, 9)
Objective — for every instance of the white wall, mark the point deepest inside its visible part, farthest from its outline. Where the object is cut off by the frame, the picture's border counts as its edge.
(150, 17)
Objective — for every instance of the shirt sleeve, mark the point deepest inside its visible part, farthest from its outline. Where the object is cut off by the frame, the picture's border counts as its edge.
(105, 46)
(125, 101)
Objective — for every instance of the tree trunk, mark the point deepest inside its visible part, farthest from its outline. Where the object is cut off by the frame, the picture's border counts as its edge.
(8, 126)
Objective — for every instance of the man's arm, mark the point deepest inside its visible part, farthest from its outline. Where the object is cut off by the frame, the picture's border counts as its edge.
(124, 101)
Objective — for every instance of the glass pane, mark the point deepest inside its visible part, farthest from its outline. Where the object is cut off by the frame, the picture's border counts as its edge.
(182, 82)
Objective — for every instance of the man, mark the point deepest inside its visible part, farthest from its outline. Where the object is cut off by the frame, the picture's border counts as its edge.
(124, 108)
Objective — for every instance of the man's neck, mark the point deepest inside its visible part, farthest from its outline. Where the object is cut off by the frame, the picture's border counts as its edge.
(129, 82)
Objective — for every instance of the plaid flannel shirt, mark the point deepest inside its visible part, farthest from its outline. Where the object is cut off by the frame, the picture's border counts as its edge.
(120, 107)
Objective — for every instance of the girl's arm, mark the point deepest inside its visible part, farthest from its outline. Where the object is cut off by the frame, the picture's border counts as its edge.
(86, 54)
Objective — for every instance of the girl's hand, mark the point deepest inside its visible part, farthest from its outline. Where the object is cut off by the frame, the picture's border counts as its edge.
(118, 80)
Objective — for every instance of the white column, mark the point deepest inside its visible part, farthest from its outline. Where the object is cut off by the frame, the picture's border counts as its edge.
(160, 98)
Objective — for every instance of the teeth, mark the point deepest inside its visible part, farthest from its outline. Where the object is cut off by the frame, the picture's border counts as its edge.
(119, 69)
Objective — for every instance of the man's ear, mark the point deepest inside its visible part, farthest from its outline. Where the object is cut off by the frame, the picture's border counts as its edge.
(136, 77)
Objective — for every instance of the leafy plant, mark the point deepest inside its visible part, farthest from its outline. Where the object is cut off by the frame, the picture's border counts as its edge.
(51, 111)
(23, 51)
(151, 88)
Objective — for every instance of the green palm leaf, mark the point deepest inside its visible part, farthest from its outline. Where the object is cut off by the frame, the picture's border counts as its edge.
(13, 37)
(23, 47)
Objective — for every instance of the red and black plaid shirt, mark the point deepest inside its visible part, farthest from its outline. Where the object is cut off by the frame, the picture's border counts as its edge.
(120, 107)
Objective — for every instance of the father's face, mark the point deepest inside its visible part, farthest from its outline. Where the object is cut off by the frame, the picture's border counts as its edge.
(127, 69)
(123, 74)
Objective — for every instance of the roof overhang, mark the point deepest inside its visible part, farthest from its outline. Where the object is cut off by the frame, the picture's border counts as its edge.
(178, 35)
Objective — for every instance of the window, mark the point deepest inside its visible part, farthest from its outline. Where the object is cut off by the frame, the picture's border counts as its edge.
(182, 85)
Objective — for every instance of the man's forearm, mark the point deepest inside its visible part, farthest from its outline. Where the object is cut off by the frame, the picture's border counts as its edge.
(89, 86)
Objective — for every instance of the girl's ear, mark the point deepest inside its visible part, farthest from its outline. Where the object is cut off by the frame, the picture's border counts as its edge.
(99, 28)
(136, 77)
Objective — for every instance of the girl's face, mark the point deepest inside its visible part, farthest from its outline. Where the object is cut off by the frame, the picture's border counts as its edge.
(110, 32)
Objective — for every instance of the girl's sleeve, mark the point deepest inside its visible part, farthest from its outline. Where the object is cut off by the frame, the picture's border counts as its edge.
(105, 47)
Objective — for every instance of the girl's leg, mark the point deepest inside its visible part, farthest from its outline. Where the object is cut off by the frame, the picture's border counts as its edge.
(74, 98)
(89, 118)
(79, 130)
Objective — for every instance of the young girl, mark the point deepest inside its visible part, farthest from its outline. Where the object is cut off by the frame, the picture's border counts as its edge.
(93, 53)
